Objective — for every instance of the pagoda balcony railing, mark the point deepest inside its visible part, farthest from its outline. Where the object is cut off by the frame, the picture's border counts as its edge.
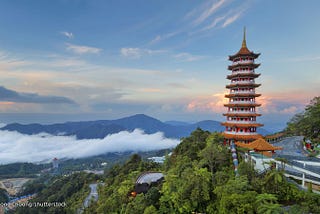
(243, 62)
(242, 82)
(241, 122)
(243, 92)
(242, 102)
(240, 133)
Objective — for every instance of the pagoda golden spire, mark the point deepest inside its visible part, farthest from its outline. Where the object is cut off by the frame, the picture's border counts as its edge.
(244, 43)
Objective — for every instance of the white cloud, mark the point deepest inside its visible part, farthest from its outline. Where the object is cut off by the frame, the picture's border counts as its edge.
(136, 53)
(67, 34)
(215, 22)
(131, 52)
(159, 38)
(16, 147)
(232, 19)
(81, 49)
(216, 5)
(8, 62)
(187, 57)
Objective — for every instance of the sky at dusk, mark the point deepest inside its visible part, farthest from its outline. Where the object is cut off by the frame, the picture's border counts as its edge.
(71, 60)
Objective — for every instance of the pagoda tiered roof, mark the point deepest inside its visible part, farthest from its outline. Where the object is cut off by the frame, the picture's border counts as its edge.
(239, 85)
(249, 64)
(259, 145)
(242, 104)
(235, 114)
(230, 124)
(242, 137)
(247, 74)
(242, 95)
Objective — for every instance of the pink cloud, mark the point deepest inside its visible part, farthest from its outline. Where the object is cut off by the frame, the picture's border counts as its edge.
(284, 103)
(211, 103)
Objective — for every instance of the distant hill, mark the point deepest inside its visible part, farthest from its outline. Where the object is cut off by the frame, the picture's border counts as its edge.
(102, 128)
(177, 123)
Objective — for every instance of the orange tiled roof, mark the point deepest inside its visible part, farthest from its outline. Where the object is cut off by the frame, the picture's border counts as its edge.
(259, 145)
(274, 136)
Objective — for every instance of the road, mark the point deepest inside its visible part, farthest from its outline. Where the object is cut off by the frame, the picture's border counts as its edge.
(93, 195)
(295, 155)
(291, 147)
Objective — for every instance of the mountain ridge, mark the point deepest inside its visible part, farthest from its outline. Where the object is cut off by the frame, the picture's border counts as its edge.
(102, 128)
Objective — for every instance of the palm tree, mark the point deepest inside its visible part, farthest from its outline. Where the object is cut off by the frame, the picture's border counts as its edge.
(266, 198)
(283, 161)
(273, 179)
(267, 204)
(269, 209)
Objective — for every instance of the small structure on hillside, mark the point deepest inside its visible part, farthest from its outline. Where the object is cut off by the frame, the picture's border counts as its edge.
(260, 146)
(259, 153)
(275, 137)
(55, 163)
(145, 181)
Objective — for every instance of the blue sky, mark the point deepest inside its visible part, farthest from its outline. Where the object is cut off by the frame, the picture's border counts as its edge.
(84, 60)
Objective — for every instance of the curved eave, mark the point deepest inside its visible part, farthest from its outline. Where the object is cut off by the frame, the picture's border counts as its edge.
(242, 104)
(255, 75)
(250, 64)
(244, 54)
(274, 136)
(242, 114)
(241, 137)
(238, 85)
(247, 125)
(242, 95)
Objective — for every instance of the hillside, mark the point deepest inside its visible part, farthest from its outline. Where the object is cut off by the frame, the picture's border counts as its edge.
(102, 128)
(199, 178)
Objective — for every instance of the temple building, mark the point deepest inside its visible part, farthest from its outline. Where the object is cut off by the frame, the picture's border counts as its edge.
(241, 124)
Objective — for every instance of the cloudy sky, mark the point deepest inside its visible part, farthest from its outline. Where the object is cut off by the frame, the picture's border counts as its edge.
(85, 60)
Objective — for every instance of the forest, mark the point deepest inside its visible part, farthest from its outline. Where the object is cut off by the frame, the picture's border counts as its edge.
(199, 178)
(307, 123)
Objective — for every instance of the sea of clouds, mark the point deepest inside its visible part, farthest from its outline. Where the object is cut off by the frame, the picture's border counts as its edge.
(17, 147)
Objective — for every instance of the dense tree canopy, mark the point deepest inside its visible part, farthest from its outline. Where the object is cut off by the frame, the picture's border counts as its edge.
(307, 123)
(198, 178)
(3, 196)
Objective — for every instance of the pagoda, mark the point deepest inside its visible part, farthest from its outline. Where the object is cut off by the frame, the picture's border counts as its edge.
(241, 124)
